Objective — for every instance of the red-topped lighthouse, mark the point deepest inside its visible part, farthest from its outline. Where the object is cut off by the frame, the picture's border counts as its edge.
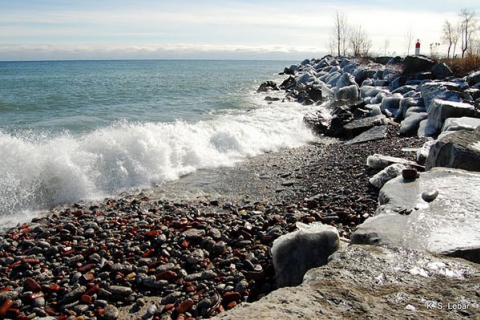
(417, 47)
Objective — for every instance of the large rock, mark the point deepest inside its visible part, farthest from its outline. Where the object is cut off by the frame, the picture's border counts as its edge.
(392, 103)
(366, 282)
(474, 78)
(440, 90)
(409, 126)
(441, 71)
(349, 93)
(375, 133)
(297, 252)
(345, 80)
(267, 85)
(414, 64)
(440, 110)
(463, 123)
(425, 129)
(356, 127)
(459, 149)
(379, 162)
(386, 175)
(410, 216)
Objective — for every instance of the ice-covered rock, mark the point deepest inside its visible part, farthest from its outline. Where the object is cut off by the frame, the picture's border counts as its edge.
(460, 149)
(463, 123)
(440, 110)
(391, 103)
(345, 80)
(386, 175)
(422, 153)
(474, 78)
(297, 252)
(441, 71)
(379, 162)
(425, 129)
(410, 125)
(349, 93)
(440, 90)
(409, 218)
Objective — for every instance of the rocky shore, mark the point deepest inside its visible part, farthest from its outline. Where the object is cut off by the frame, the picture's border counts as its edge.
(144, 256)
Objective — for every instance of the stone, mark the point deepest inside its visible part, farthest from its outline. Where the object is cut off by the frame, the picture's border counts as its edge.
(288, 83)
(391, 103)
(441, 71)
(440, 90)
(386, 175)
(460, 149)
(414, 64)
(305, 78)
(463, 123)
(440, 110)
(356, 127)
(380, 162)
(447, 225)
(422, 153)
(367, 282)
(111, 312)
(349, 93)
(473, 78)
(297, 252)
(425, 129)
(291, 70)
(267, 85)
(345, 80)
(194, 234)
(375, 133)
(409, 126)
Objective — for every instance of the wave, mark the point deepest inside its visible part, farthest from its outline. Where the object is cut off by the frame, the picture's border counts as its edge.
(38, 170)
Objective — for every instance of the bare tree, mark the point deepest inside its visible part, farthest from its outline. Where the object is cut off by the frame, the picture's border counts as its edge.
(409, 39)
(340, 33)
(359, 41)
(468, 25)
(448, 36)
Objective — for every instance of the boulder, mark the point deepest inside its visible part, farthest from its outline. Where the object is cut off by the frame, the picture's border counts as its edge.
(386, 175)
(305, 78)
(422, 153)
(315, 94)
(414, 110)
(441, 71)
(370, 91)
(356, 127)
(391, 103)
(460, 149)
(291, 70)
(267, 85)
(317, 122)
(404, 89)
(367, 282)
(405, 104)
(363, 74)
(349, 93)
(374, 109)
(440, 110)
(414, 64)
(379, 162)
(380, 96)
(345, 80)
(375, 133)
(333, 78)
(463, 123)
(437, 212)
(288, 83)
(440, 90)
(383, 60)
(409, 126)
(295, 253)
(473, 78)
(425, 129)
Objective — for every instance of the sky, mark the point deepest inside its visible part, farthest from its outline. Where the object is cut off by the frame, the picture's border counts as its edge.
(200, 29)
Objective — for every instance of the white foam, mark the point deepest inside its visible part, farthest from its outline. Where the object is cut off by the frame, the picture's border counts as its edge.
(37, 172)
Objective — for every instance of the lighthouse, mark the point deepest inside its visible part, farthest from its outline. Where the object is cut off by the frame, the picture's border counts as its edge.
(417, 47)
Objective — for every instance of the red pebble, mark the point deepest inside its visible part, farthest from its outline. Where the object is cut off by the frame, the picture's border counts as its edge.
(5, 306)
(54, 287)
(169, 306)
(86, 267)
(167, 275)
(31, 261)
(232, 296)
(231, 305)
(92, 290)
(148, 253)
(184, 306)
(154, 233)
(86, 299)
(35, 296)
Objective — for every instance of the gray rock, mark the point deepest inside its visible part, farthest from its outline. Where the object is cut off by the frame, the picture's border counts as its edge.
(194, 234)
(375, 133)
(349, 93)
(414, 64)
(374, 109)
(386, 175)
(422, 153)
(380, 162)
(414, 110)
(267, 85)
(120, 290)
(391, 103)
(440, 90)
(473, 78)
(345, 80)
(404, 89)
(370, 91)
(460, 149)
(441, 71)
(366, 282)
(463, 123)
(410, 125)
(448, 225)
(440, 110)
(111, 312)
(356, 127)
(297, 252)
(425, 129)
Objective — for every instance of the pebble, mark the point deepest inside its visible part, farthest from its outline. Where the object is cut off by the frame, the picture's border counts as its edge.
(111, 312)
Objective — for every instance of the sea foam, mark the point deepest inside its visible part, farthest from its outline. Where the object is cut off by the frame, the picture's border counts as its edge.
(38, 171)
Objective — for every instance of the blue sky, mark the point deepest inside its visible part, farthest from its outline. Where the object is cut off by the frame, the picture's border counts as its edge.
(187, 29)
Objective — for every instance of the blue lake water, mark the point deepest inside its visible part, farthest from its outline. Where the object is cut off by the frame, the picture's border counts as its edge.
(72, 130)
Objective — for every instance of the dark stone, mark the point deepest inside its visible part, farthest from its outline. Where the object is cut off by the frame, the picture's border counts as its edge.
(441, 71)
(356, 127)
(267, 85)
(473, 78)
(382, 60)
(288, 83)
(315, 94)
(375, 133)
(414, 64)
